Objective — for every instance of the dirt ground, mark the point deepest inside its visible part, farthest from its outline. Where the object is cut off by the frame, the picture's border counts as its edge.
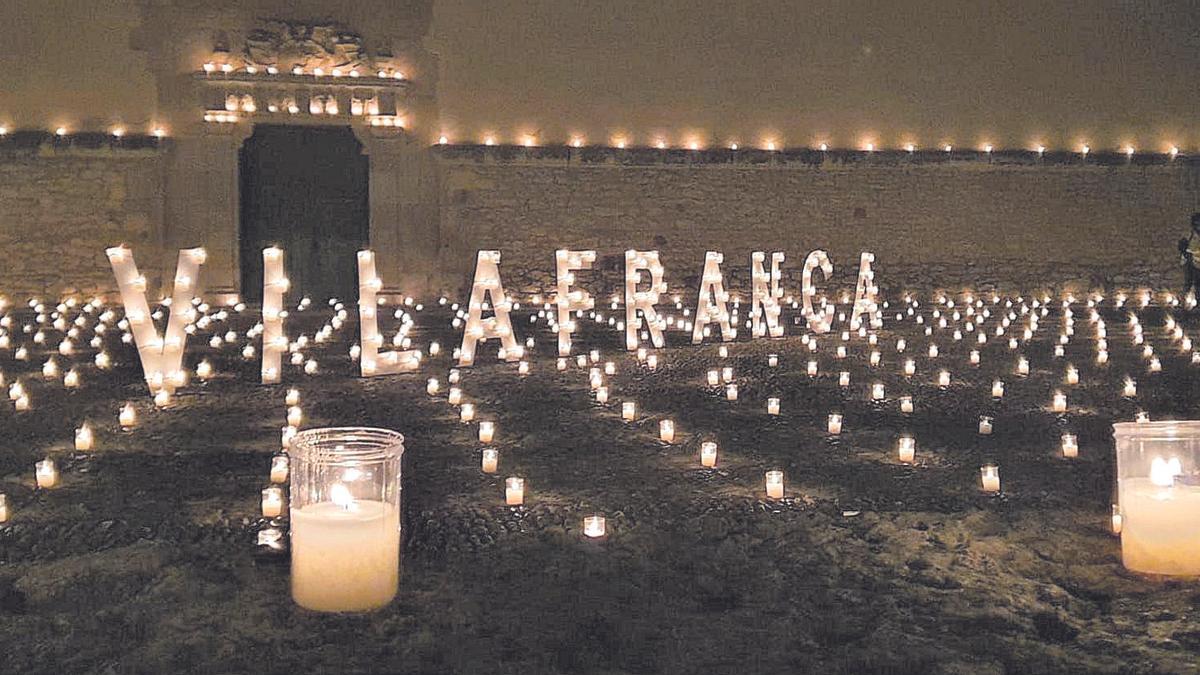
(145, 559)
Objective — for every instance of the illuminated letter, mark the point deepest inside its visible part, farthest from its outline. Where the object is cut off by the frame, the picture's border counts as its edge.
(570, 301)
(487, 285)
(274, 343)
(765, 295)
(712, 305)
(865, 293)
(635, 300)
(817, 323)
(371, 361)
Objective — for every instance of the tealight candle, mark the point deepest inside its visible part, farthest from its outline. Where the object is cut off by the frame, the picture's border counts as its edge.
(907, 448)
(46, 473)
(812, 368)
(714, 378)
(975, 356)
(835, 423)
(127, 417)
(731, 392)
(910, 367)
(454, 396)
(293, 397)
(727, 374)
(708, 454)
(628, 411)
(432, 386)
(467, 412)
(84, 437)
(1072, 375)
(877, 391)
(990, 478)
(944, 378)
(491, 459)
(723, 352)
(1070, 445)
(666, 431)
(602, 395)
(1130, 390)
(272, 501)
(514, 491)
(487, 430)
(594, 526)
(772, 360)
(906, 404)
(998, 389)
(985, 425)
(774, 484)
(295, 416)
(1059, 404)
(279, 468)
(844, 379)
(772, 406)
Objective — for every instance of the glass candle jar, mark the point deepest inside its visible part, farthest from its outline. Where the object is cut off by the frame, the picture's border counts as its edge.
(1158, 488)
(345, 516)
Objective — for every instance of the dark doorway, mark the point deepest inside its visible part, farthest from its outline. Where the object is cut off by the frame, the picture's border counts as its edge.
(304, 189)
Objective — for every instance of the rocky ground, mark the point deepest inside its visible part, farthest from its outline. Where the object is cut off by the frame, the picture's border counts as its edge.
(144, 560)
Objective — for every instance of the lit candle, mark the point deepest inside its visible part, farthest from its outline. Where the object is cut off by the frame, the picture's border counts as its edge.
(714, 378)
(1130, 390)
(990, 477)
(594, 526)
(1117, 519)
(910, 367)
(835, 423)
(985, 425)
(487, 431)
(128, 416)
(491, 459)
(1022, 366)
(514, 491)
(1060, 402)
(975, 355)
(610, 368)
(561, 364)
(1072, 375)
(708, 454)
(944, 379)
(295, 416)
(272, 501)
(774, 483)
(727, 374)
(47, 473)
(84, 437)
(812, 368)
(454, 376)
(628, 411)
(523, 368)
(844, 379)
(3, 508)
(666, 431)
(467, 412)
(292, 398)
(455, 396)
(723, 352)
(772, 360)
(432, 386)
(906, 404)
(1070, 445)
(652, 362)
(1159, 497)
(772, 406)
(279, 468)
(204, 370)
(998, 389)
(907, 448)
(602, 395)
(877, 391)
(731, 392)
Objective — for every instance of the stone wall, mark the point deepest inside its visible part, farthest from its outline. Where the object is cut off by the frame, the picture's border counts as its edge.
(60, 208)
(1019, 222)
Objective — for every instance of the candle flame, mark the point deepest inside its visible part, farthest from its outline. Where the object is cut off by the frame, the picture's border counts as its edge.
(1163, 472)
(339, 494)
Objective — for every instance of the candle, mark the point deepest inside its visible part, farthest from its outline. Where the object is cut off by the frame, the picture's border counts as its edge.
(835, 423)
(454, 376)
(561, 364)
(487, 431)
(772, 360)
(708, 454)
(272, 501)
(581, 360)
(514, 491)
(3, 508)
(723, 351)
(1159, 496)
(990, 478)
(46, 473)
(906, 404)
(523, 368)
(467, 412)
(293, 397)
(345, 519)
(594, 526)
(594, 355)
(1130, 390)
(772, 406)
(975, 355)
(944, 379)
(455, 396)
(774, 483)
(666, 431)
(933, 351)
(907, 448)
(1059, 404)
(628, 411)
(602, 395)
(128, 416)
(432, 386)
(910, 367)
(731, 392)
(491, 459)
(877, 391)
(1070, 445)
(1072, 375)
(1022, 366)
(714, 378)
(84, 437)
(279, 468)
(286, 435)
(985, 425)
(652, 362)
(812, 368)
(295, 416)
(727, 374)
(841, 351)
(610, 368)
(844, 379)
(204, 370)
(1118, 520)
(998, 389)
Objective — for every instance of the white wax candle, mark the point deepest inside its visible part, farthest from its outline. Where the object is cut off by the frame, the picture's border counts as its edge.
(47, 473)
(279, 468)
(84, 438)
(997, 389)
(1072, 375)
(628, 411)
(907, 448)
(1130, 390)
(727, 374)
(708, 454)
(594, 527)
(910, 367)
(812, 368)
(652, 362)
(594, 355)
(1060, 402)
(772, 360)
(1070, 445)
(844, 379)
(666, 431)
(723, 352)
(610, 368)
(3, 508)
(581, 360)
(875, 357)
(731, 392)
(454, 376)
(944, 379)
(455, 396)
(714, 378)
(295, 416)
(774, 484)
(292, 397)
(877, 391)
(467, 412)
(906, 404)
(772, 406)
(985, 425)
(345, 558)
(128, 416)
(990, 478)
(975, 355)
(272, 501)
(602, 395)
(835, 423)
(514, 491)
(487, 430)
(491, 459)
(523, 368)
(432, 386)
(561, 364)
(1158, 533)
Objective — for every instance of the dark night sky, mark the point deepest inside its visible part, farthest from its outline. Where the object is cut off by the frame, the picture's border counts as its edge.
(932, 71)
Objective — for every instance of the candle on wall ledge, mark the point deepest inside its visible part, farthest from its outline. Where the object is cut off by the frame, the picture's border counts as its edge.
(985, 425)
(594, 526)
(272, 501)
(127, 417)
(84, 438)
(906, 404)
(279, 468)
(467, 412)
(990, 478)
(773, 406)
(708, 454)
(774, 484)
(490, 460)
(666, 431)
(514, 491)
(628, 411)
(46, 473)
(835, 423)
(1070, 445)
(907, 448)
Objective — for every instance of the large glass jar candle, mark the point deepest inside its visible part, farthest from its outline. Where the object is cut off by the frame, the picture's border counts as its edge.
(1158, 488)
(345, 518)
